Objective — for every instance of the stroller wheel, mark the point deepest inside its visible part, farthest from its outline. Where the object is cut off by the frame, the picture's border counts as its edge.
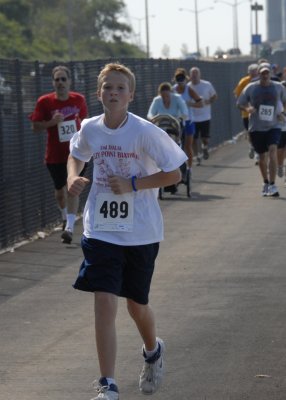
(189, 182)
(183, 169)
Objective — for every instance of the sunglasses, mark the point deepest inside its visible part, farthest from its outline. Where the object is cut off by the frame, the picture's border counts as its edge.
(63, 79)
(180, 78)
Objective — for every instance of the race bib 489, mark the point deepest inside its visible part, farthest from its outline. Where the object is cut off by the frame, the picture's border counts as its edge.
(114, 212)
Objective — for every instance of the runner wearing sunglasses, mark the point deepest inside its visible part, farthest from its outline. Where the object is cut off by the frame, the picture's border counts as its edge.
(60, 114)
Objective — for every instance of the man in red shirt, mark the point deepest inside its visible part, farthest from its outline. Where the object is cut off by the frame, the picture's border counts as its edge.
(60, 113)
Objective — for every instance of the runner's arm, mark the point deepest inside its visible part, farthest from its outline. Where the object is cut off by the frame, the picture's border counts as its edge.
(121, 185)
(75, 183)
(39, 126)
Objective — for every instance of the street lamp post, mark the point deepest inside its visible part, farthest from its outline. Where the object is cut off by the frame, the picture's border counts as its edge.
(140, 31)
(235, 19)
(147, 30)
(196, 12)
(235, 23)
(197, 27)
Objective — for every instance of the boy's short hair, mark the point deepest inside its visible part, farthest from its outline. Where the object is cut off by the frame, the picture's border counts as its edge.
(61, 68)
(164, 86)
(118, 68)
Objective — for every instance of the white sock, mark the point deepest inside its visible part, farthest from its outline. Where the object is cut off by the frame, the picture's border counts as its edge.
(150, 353)
(70, 222)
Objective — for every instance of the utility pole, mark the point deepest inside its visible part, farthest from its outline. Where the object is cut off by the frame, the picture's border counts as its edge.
(196, 12)
(147, 30)
(197, 27)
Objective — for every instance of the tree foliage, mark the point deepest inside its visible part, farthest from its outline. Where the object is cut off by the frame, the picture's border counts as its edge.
(64, 30)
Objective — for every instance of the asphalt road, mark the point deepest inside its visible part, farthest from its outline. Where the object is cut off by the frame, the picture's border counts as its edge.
(219, 295)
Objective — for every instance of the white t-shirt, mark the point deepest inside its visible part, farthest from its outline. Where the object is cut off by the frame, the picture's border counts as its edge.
(205, 90)
(137, 148)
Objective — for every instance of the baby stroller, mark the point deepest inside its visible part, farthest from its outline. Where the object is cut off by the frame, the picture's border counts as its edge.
(172, 126)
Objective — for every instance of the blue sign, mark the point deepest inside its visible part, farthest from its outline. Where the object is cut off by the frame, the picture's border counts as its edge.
(256, 39)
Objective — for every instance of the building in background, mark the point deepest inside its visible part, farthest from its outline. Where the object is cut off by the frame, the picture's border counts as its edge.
(276, 23)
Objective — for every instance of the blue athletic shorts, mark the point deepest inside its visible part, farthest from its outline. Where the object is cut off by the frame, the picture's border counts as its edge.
(189, 128)
(261, 140)
(125, 271)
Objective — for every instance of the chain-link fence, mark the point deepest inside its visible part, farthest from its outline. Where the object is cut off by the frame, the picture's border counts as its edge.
(26, 190)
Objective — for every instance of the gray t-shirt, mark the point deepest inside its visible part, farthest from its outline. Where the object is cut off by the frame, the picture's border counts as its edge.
(268, 103)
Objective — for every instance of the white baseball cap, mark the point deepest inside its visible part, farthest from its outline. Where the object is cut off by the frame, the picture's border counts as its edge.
(264, 67)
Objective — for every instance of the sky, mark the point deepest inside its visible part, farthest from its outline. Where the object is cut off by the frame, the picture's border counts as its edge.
(174, 28)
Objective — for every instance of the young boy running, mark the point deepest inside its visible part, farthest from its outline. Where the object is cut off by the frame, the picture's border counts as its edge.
(122, 220)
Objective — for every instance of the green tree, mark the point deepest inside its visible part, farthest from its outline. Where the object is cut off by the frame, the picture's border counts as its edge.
(13, 43)
(57, 30)
(15, 10)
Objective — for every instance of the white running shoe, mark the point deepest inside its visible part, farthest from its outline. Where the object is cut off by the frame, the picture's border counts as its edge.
(280, 171)
(105, 391)
(264, 191)
(199, 160)
(272, 191)
(152, 373)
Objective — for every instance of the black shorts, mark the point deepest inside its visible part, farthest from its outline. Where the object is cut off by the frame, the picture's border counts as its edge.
(125, 271)
(282, 141)
(202, 129)
(59, 174)
(261, 140)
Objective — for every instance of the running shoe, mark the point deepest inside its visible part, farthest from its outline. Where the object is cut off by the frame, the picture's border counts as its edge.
(280, 171)
(205, 153)
(67, 237)
(272, 191)
(152, 373)
(264, 191)
(251, 153)
(105, 391)
(185, 174)
(256, 159)
(199, 160)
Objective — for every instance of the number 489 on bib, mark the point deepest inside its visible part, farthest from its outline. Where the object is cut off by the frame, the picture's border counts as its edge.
(114, 209)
